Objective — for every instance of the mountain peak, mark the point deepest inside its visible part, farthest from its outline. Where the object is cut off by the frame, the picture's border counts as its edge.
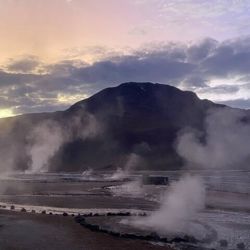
(138, 84)
(136, 92)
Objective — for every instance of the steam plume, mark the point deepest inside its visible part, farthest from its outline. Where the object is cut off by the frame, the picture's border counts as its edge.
(47, 138)
(131, 189)
(131, 163)
(179, 206)
(226, 142)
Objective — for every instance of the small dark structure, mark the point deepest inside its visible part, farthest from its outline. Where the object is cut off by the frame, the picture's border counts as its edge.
(155, 180)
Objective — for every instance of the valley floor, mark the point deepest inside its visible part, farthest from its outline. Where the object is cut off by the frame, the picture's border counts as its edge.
(227, 216)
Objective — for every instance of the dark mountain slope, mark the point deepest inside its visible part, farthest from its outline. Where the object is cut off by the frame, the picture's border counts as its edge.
(142, 118)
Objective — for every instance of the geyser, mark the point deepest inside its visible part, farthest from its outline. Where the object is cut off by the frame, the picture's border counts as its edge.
(179, 206)
(47, 137)
(46, 140)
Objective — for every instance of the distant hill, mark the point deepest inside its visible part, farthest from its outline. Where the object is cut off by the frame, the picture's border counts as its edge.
(139, 118)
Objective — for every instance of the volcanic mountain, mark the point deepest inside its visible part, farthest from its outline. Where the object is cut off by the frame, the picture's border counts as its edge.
(132, 118)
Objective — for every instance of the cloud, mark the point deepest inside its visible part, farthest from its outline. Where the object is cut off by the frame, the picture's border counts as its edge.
(23, 65)
(213, 69)
(221, 89)
(222, 19)
(201, 50)
(238, 103)
(190, 65)
(227, 60)
(12, 79)
(134, 68)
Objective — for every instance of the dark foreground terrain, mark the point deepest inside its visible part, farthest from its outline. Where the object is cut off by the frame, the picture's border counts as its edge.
(19, 230)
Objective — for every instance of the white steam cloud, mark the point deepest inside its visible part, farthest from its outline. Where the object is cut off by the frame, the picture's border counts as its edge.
(47, 138)
(180, 204)
(226, 141)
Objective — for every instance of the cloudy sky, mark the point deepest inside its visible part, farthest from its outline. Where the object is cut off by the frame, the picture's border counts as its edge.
(57, 52)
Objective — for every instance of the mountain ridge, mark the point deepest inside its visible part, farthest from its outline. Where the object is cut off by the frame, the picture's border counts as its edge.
(135, 118)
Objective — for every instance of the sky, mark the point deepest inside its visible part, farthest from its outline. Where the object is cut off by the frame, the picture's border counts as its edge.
(57, 52)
